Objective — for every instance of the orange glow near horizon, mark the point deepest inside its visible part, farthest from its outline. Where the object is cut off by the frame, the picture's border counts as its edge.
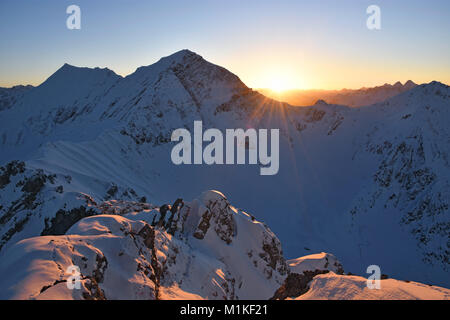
(285, 69)
(279, 70)
(279, 84)
(278, 79)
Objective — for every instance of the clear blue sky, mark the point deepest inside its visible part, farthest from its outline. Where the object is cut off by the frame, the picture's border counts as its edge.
(311, 43)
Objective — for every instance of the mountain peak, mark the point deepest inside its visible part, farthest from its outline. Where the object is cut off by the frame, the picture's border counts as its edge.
(68, 66)
(320, 102)
(71, 68)
(179, 55)
(73, 75)
(434, 85)
(438, 83)
(192, 71)
(409, 84)
(433, 88)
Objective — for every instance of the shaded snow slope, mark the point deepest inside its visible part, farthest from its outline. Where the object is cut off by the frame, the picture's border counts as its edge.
(9, 96)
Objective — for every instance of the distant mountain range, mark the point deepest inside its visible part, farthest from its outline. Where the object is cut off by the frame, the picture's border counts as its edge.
(348, 97)
(87, 179)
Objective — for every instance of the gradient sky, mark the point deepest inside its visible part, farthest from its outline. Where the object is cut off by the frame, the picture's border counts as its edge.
(304, 44)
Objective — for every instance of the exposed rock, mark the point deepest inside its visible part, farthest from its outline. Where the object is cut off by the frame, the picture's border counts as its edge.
(63, 220)
(296, 284)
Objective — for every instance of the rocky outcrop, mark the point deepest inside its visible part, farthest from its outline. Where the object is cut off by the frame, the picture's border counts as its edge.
(303, 270)
(296, 284)
(63, 220)
(153, 254)
(37, 202)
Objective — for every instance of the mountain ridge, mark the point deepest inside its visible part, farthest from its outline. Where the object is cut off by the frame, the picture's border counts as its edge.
(351, 97)
(339, 166)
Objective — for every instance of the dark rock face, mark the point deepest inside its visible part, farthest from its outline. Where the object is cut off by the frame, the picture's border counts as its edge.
(221, 220)
(21, 204)
(148, 235)
(11, 169)
(94, 291)
(219, 217)
(92, 282)
(314, 115)
(37, 202)
(17, 227)
(408, 182)
(203, 226)
(273, 256)
(303, 270)
(169, 216)
(63, 220)
(340, 269)
(296, 284)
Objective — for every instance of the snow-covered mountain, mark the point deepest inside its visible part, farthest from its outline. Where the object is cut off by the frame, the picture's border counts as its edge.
(9, 96)
(340, 287)
(368, 184)
(348, 97)
(203, 249)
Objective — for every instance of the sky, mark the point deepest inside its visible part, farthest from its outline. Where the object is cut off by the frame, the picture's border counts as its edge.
(283, 44)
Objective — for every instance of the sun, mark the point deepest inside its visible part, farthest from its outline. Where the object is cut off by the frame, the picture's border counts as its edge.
(279, 84)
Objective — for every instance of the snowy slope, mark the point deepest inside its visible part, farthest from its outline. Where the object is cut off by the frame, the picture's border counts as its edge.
(204, 249)
(340, 287)
(321, 277)
(318, 261)
(368, 184)
(35, 202)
